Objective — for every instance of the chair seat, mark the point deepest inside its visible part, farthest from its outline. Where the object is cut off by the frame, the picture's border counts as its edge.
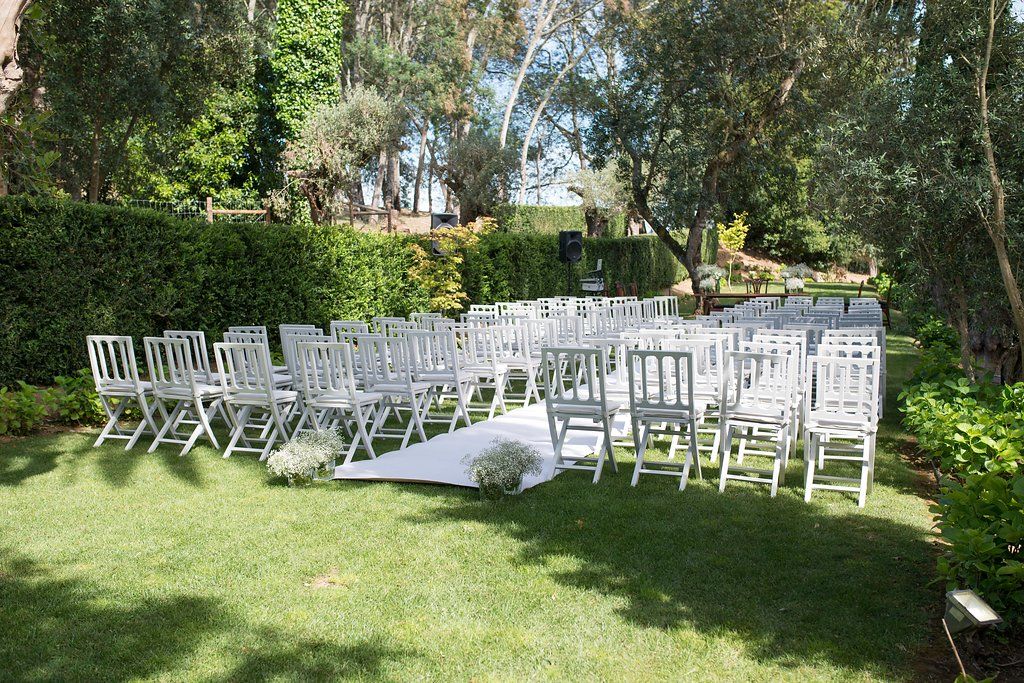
(486, 369)
(260, 398)
(400, 388)
(340, 400)
(124, 388)
(764, 414)
(202, 390)
(585, 410)
(671, 413)
(436, 376)
(837, 421)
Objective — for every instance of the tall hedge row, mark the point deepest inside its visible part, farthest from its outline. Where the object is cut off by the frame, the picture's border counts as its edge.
(71, 269)
(551, 219)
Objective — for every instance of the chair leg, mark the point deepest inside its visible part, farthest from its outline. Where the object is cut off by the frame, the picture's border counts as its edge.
(112, 415)
(169, 425)
(724, 456)
(241, 420)
(809, 462)
(694, 451)
(641, 449)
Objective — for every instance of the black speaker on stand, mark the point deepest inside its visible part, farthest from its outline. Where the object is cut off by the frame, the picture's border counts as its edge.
(441, 220)
(570, 251)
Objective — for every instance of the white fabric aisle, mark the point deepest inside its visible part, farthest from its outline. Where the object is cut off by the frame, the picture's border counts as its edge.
(439, 460)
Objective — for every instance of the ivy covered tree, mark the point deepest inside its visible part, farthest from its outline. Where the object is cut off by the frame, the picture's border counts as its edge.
(306, 61)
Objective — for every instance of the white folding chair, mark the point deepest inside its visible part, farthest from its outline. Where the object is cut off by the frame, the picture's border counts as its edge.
(574, 390)
(248, 385)
(330, 397)
(342, 329)
(116, 375)
(479, 359)
(662, 402)
(435, 360)
(177, 382)
(756, 406)
(387, 369)
(841, 423)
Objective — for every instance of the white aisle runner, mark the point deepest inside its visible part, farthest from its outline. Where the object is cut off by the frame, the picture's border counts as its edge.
(439, 460)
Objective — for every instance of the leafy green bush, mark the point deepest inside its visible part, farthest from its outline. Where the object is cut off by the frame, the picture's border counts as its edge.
(22, 410)
(70, 269)
(975, 431)
(76, 400)
(982, 518)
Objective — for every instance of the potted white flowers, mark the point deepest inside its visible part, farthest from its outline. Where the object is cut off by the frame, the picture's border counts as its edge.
(795, 275)
(306, 457)
(500, 468)
(708, 278)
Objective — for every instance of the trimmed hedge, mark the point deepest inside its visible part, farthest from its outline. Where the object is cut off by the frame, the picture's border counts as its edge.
(71, 269)
(551, 219)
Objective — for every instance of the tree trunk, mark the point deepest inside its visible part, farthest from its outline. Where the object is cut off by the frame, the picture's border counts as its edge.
(10, 28)
(996, 223)
(537, 38)
(419, 167)
(378, 182)
(394, 200)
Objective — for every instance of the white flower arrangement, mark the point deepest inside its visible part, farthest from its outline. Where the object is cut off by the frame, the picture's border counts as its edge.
(708, 276)
(305, 456)
(798, 270)
(794, 284)
(499, 469)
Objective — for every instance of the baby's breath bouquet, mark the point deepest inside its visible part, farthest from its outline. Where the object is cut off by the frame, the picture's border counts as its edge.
(305, 457)
(500, 468)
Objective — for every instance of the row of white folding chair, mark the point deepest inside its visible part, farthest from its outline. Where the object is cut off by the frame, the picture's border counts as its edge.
(841, 422)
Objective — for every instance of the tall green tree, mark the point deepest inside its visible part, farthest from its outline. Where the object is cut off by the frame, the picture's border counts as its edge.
(110, 68)
(702, 82)
(306, 59)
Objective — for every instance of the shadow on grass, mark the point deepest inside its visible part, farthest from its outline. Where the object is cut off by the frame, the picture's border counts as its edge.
(61, 629)
(23, 459)
(786, 580)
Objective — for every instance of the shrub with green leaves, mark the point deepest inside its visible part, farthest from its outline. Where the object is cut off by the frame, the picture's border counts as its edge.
(975, 432)
(22, 410)
(76, 400)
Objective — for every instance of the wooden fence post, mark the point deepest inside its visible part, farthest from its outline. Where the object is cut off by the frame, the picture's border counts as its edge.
(209, 209)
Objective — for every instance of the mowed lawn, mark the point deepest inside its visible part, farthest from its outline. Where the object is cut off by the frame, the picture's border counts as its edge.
(122, 565)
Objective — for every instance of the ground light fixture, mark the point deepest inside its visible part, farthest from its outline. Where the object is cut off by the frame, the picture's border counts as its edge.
(966, 612)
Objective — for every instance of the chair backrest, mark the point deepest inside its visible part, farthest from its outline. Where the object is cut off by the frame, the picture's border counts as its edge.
(758, 380)
(706, 360)
(249, 329)
(422, 319)
(114, 368)
(171, 365)
(290, 338)
(380, 323)
(662, 381)
(197, 345)
(384, 360)
(574, 376)
(325, 367)
(434, 352)
(244, 368)
(342, 330)
(666, 306)
(844, 387)
(398, 328)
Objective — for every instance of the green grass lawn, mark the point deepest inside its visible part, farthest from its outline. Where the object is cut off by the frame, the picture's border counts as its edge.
(121, 565)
